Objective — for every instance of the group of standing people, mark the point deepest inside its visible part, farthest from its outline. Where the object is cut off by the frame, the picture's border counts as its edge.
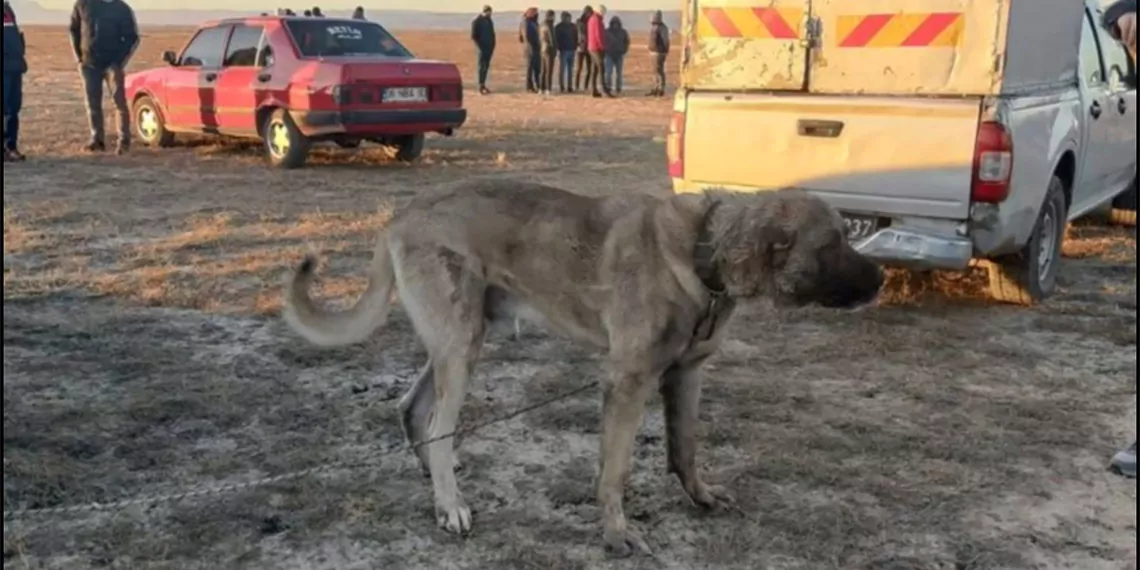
(587, 54)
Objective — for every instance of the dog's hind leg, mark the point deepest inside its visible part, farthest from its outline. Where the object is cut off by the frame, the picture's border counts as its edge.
(445, 303)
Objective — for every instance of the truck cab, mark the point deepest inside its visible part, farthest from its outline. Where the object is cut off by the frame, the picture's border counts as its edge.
(943, 131)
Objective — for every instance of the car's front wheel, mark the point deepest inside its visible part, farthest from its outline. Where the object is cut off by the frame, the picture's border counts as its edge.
(408, 148)
(285, 146)
(150, 127)
(1030, 276)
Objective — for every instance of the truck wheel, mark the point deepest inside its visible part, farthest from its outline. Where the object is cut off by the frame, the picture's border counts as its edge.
(408, 147)
(150, 127)
(1124, 208)
(1030, 276)
(285, 146)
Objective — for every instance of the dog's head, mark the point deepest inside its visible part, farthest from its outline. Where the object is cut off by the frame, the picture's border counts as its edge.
(790, 246)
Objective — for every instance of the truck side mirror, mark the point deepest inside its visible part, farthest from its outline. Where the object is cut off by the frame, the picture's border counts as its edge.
(169, 57)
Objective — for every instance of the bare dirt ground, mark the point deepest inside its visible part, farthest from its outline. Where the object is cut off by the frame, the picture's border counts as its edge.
(143, 354)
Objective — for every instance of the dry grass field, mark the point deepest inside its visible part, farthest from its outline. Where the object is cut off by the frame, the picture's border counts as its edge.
(143, 354)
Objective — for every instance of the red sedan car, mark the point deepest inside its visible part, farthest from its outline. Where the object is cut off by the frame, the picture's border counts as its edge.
(292, 81)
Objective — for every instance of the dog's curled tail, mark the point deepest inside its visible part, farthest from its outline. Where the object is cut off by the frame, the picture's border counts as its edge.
(352, 325)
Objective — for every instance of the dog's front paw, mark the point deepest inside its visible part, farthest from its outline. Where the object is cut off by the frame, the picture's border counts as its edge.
(625, 543)
(711, 496)
(454, 518)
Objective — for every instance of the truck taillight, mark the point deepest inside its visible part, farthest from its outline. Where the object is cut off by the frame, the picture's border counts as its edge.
(993, 163)
(675, 145)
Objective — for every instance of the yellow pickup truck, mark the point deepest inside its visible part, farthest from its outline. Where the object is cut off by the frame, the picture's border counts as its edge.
(944, 131)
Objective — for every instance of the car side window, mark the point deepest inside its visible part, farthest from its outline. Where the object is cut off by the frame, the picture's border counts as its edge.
(1117, 63)
(242, 48)
(205, 50)
(1091, 65)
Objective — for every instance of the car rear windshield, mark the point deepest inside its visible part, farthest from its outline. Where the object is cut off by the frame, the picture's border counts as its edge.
(316, 37)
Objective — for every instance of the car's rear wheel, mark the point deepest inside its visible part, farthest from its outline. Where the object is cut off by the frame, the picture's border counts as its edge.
(150, 126)
(1030, 276)
(285, 146)
(408, 148)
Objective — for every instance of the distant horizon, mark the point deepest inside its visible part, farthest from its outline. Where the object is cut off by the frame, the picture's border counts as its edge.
(450, 6)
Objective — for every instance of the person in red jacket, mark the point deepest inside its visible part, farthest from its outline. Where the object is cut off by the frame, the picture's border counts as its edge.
(596, 44)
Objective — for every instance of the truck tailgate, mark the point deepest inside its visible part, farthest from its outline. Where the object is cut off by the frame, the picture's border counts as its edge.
(863, 154)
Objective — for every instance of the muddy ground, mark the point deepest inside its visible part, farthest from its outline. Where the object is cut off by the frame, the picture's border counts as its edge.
(143, 354)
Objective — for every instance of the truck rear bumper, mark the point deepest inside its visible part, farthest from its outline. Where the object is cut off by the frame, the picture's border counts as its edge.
(365, 123)
(912, 249)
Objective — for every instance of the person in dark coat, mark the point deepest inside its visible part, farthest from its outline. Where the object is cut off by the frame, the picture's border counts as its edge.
(104, 36)
(566, 40)
(15, 66)
(549, 52)
(617, 46)
(532, 48)
(659, 52)
(358, 13)
(483, 35)
(582, 61)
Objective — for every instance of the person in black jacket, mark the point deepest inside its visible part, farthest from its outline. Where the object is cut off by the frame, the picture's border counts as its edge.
(532, 49)
(15, 66)
(483, 35)
(566, 39)
(659, 51)
(582, 61)
(104, 36)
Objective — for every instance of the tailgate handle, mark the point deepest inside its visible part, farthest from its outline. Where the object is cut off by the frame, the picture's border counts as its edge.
(821, 129)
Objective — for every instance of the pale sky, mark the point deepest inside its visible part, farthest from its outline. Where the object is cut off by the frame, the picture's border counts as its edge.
(461, 6)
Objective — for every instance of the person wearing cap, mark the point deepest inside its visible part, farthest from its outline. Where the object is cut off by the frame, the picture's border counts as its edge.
(483, 35)
(659, 52)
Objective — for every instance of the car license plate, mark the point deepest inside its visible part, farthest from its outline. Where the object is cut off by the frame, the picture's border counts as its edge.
(405, 95)
(859, 228)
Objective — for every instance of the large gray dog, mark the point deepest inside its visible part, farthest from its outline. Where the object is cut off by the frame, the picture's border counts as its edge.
(650, 281)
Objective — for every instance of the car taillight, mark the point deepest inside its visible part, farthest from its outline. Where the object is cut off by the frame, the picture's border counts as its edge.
(675, 145)
(993, 163)
(447, 93)
(341, 94)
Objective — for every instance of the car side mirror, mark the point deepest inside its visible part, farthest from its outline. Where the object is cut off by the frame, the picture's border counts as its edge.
(169, 57)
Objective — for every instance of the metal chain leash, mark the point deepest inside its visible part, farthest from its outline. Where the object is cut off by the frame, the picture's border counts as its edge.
(224, 488)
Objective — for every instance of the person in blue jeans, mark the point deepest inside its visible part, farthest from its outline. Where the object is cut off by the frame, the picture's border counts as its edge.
(15, 65)
(483, 35)
(617, 45)
(566, 39)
